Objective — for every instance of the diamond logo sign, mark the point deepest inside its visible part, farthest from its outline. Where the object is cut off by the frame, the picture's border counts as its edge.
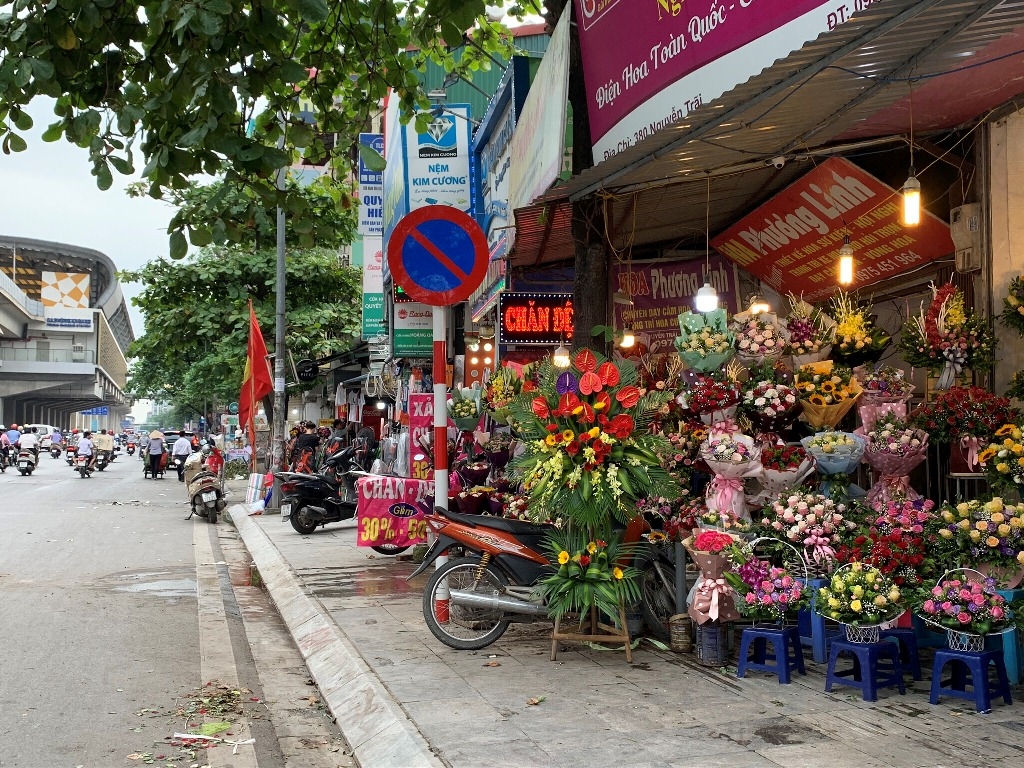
(439, 140)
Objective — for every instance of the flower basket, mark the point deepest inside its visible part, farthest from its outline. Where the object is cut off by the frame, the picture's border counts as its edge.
(855, 634)
(860, 597)
(965, 642)
(770, 577)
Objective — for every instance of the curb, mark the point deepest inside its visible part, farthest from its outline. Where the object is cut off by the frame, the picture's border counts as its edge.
(373, 723)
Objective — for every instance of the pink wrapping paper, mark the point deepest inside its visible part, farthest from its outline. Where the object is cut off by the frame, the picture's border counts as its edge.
(894, 483)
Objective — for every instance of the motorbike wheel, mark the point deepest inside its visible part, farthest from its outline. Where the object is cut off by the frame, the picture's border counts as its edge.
(657, 604)
(389, 549)
(23, 471)
(300, 521)
(467, 628)
(211, 515)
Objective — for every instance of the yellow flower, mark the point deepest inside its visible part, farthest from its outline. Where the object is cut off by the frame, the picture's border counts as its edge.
(857, 591)
(617, 572)
(816, 400)
(870, 577)
(947, 516)
(1016, 522)
(855, 605)
(568, 435)
(880, 601)
(1020, 461)
(894, 595)
(1003, 431)
(987, 455)
(1018, 448)
(1020, 557)
(828, 387)
(591, 547)
(975, 535)
(964, 524)
(576, 557)
(945, 533)
(1008, 443)
(992, 541)
(833, 603)
(563, 557)
(995, 505)
(858, 566)
(963, 508)
(550, 440)
(1004, 530)
(594, 432)
(1002, 467)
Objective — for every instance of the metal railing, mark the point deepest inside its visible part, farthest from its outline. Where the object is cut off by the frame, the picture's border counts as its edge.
(33, 307)
(50, 356)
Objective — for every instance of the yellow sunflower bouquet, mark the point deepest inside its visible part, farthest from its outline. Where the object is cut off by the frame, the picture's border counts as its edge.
(827, 391)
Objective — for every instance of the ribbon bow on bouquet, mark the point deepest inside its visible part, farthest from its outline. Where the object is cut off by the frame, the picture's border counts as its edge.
(890, 488)
(723, 428)
(709, 596)
(955, 359)
(970, 445)
(820, 549)
(725, 490)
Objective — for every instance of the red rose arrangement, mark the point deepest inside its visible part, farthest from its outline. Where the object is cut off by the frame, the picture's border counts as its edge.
(712, 541)
(708, 394)
(782, 458)
(963, 412)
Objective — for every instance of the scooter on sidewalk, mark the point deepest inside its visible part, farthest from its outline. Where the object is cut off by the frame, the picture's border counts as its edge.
(204, 484)
(311, 500)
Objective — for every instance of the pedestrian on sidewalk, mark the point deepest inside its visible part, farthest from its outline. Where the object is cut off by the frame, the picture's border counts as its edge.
(182, 449)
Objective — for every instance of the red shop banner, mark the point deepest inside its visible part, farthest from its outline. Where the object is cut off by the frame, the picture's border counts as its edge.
(388, 510)
(792, 242)
(663, 290)
(421, 432)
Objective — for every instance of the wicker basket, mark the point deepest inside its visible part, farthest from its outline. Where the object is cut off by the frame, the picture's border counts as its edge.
(965, 641)
(712, 644)
(870, 634)
(681, 633)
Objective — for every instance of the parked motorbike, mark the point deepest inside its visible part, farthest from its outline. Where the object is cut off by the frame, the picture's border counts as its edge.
(27, 460)
(102, 459)
(657, 575)
(495, 563)
(130, 449)
(83, 466)
(309, 501)
(204, 486)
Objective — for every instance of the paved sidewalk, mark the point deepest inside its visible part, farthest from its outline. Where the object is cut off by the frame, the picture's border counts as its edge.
(402, 698)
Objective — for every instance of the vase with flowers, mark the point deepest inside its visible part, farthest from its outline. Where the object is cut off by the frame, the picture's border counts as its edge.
(946, 339)
(966, 418)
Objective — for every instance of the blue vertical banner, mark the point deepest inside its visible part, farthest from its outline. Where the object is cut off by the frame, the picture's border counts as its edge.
(371, 188)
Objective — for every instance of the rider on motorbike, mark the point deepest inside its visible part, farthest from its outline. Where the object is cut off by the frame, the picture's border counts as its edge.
(103, 443)
(30, 440)
(5, 444)
(85, 448)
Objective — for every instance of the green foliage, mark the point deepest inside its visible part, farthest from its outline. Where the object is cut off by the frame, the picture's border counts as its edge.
(197, 321)
(189, 88)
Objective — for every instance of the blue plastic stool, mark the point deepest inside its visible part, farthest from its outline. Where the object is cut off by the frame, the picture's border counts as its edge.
(875, 665)
(787, 654)
(906, 639)
(970, 669)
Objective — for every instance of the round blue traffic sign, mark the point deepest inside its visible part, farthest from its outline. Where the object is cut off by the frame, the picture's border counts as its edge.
(438, 254)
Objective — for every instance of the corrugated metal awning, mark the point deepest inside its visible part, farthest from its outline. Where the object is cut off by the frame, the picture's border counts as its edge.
(964, 58)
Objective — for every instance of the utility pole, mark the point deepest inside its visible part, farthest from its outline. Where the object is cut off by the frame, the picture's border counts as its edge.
(277, 430)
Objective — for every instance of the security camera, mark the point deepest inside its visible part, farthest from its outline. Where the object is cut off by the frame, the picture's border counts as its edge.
(779, 161)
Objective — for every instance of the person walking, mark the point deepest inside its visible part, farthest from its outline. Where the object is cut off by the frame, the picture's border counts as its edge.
(156, 452)
(180, 451)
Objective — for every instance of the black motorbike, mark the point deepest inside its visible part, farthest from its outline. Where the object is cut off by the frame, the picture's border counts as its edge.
(55, 450)
(102, 459)
(309, 501)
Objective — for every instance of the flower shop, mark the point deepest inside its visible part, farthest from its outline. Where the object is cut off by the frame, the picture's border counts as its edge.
(765, 494)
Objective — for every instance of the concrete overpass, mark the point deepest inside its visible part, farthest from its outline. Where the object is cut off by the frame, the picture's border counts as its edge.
(64, 333)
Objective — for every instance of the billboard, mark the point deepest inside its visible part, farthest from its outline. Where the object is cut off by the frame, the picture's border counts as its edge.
(649, 63)
(64, 289)
(371, 190)
(792, 242)
(373, 289)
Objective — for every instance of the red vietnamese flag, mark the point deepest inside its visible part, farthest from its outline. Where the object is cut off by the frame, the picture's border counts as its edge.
(256, 382)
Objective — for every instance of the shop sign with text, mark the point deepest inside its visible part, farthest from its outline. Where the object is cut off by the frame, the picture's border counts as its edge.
(535, 318)
(371, 189)
(373, 288)
(663, 290)
(649, 63)
(388, 511)
(414, 330)
(792, 242)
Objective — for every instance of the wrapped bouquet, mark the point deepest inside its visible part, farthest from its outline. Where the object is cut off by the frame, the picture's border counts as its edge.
(836, 455)
(705, 342)
(682, 453)
(1003, 460)
(465, 407)
(732, 458)
(946, 339)
(810, 332)
(886, 390)
(759, 338)
(1013, 306)
(783, 468)
(828, 392)
(713, 597)
(811, 521)
(893, 450)
(771, 407)
(857, 339)
(713, 397)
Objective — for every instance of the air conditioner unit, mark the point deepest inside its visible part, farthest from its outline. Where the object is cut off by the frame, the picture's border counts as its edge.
(78, 352)
(965, 229)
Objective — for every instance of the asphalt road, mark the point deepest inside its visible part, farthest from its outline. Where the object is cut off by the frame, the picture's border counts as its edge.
(117, 614)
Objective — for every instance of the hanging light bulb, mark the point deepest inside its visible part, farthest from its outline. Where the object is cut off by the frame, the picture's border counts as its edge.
(846, 262)
(912, 200)
(628, 339)
(759, 305)
(561, 358)
(706, 299)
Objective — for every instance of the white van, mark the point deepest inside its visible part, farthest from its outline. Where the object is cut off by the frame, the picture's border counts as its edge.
(45, 430)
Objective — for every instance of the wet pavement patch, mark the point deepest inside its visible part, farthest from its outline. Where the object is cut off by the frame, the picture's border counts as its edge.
(169, 583)
(368, 579)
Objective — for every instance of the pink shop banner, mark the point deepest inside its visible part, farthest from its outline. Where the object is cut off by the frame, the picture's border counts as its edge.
(389, 512)
(649, 63)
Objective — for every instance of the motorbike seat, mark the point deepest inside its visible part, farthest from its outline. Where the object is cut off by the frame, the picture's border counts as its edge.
(515, 527)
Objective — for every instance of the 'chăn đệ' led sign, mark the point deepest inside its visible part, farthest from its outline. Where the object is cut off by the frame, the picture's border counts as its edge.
(535, 318)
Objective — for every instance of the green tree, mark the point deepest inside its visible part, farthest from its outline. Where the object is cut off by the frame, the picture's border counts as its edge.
(197, 318)
(213, 87)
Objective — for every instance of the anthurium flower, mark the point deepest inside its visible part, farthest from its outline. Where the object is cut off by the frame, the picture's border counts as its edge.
(590, 383)
(566, 403)
(584, 413)
(609, 374)
(602, 401)
(540, 408)
(586, 360)
(628, 396)
(622, 426)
